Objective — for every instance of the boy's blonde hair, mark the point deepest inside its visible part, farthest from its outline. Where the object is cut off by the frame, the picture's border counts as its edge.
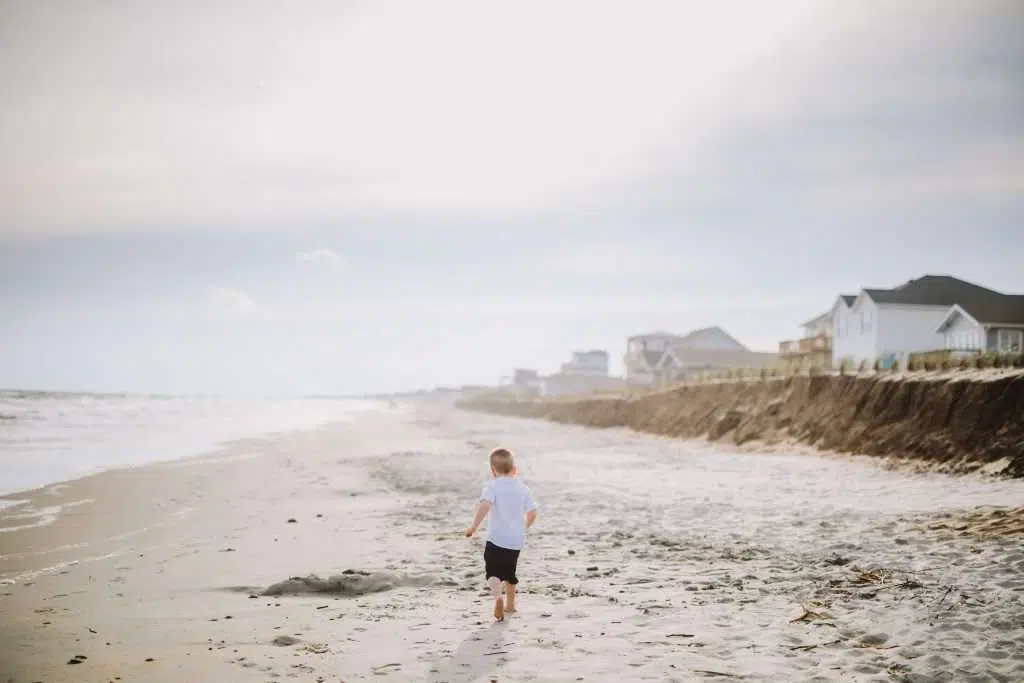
(501, 461)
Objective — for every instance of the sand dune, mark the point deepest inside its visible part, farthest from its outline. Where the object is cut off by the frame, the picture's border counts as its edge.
(654, 559)
(948, 422)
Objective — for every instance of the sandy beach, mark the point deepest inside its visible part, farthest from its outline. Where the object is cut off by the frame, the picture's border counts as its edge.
(653, 559)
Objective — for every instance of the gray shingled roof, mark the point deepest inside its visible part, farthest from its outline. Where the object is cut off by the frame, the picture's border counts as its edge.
(848, 299)
(985, 305)
(1005, 308)
(933, 290)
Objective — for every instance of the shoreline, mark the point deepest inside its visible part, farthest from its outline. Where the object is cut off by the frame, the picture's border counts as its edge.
(220, 449)
(53, 437)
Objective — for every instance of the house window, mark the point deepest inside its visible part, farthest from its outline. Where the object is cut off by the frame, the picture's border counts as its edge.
(1010, 341)
(865, 320)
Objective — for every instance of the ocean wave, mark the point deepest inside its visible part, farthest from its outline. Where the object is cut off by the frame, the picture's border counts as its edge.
(48, 436)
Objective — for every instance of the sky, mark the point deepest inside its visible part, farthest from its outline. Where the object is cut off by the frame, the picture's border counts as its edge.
(249, 196)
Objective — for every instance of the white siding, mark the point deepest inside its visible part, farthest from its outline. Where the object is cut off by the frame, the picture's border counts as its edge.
(855, 333)
(588, 363)
(964, 334)
(908, 329)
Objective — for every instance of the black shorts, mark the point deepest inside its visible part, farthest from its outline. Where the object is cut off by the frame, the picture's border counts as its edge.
(501, 562)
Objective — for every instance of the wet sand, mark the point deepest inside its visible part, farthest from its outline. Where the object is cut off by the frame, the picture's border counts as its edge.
(653, 559)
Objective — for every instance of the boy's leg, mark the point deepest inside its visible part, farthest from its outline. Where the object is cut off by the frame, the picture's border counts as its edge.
(490, 569)
(499, 605)
(511, 580)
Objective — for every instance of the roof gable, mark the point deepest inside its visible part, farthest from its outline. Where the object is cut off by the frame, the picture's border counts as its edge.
(955, 313)
(844, 300)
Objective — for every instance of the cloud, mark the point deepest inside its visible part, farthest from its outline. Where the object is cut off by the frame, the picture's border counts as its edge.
(245, 113)
(232, 301)
(636, 257)
(321, 257)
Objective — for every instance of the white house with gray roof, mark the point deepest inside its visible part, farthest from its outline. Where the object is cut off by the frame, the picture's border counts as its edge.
(890, 324)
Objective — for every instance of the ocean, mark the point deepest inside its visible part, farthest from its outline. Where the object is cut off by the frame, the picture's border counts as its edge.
(50, 437)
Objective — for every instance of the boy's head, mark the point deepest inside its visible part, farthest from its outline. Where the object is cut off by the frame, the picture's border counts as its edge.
(502, 464)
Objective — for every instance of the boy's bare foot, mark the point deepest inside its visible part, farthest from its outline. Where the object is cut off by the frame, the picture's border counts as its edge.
(510, 609)
(499, 609)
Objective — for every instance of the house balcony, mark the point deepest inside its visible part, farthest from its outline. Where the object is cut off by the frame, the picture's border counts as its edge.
(806, 346)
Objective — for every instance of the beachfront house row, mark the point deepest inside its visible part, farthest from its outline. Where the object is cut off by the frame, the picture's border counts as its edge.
(890, 324)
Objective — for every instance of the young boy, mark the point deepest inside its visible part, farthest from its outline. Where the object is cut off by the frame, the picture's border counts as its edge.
(513, 510)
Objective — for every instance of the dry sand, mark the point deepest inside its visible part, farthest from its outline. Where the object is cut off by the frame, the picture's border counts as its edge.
(653, 559)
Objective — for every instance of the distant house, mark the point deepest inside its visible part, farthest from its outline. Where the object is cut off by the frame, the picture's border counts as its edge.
(679, 363)
(995, 325)
(562, 384)
(592, 363)
(524, 377)
(814, 347)
(525, 382)
(643, 351)
(708, 348)
(890, 324)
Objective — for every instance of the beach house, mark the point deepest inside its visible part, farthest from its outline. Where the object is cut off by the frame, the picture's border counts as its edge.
(995, 325)
(643, 352)
(703, 350)
(918, 316)
(585, 372)
(814, 347)
(590, 363)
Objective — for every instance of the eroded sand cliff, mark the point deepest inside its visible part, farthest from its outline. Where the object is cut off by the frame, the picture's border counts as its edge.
(954, 422)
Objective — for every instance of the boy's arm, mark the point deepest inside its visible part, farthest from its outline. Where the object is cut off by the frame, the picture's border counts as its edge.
(531, 509)
(481, 511)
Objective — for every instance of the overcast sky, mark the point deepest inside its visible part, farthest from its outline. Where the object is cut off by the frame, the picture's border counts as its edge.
(309, 197)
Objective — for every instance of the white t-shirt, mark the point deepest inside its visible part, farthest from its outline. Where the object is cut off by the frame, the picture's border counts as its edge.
(510, 500)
